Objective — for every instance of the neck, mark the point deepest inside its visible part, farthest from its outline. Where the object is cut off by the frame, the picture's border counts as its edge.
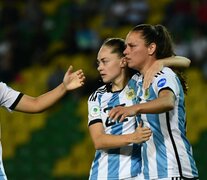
(146, 66)
(120, 83)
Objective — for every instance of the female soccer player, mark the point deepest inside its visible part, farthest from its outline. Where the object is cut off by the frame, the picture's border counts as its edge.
(118, 153)
(17, 101)
(167, 154)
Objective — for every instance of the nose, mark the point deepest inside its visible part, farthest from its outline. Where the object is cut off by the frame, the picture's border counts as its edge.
(99, 67)
(125, 51)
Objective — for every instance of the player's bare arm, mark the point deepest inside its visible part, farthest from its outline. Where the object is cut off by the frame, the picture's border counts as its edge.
(164, 103)
(71, 81)
(101, 140)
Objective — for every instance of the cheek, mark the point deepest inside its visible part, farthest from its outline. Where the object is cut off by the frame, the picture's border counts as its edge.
(140, 53)
(136, 55)
(115, 70)
(115, 65)
(138, 58)
(135, 52)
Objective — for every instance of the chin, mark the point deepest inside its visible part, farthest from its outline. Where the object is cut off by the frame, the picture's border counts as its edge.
(105, 81)
(130, 65)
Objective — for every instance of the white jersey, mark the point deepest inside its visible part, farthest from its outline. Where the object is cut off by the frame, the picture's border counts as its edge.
(167, 153)
(121, 162)
(8, 99)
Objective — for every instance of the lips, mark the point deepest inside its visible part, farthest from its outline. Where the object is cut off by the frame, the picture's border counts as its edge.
(128, 59)
(102, 75)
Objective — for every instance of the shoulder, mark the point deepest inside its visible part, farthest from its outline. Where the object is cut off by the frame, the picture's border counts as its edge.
(166, 72)
(100, 91)
(165, 78)
(3, 84)
(5, 88)
(136, 76)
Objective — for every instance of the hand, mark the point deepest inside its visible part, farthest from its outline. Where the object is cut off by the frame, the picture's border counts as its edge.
(141, 134)
(156, 67)
(122, 112)
(73, 80)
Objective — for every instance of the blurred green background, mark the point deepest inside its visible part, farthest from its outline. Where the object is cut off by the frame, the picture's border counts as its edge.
(39, 39)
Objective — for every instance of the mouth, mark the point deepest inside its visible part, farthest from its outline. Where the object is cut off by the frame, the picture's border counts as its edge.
(128, 59)
(102, 75)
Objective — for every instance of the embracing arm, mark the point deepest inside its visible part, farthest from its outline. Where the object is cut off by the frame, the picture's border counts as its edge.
(29, 104)
(164, 103)
(176, 62)
(101, 140)
(173, 62)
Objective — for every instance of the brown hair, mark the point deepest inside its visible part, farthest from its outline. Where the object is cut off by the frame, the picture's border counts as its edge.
(118, 46)
(159, 35)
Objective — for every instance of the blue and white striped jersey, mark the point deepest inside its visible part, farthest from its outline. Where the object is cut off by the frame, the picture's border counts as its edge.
(168, 153)
(8, 99)
(123, 162)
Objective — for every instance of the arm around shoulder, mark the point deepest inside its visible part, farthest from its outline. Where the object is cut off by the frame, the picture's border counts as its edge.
(176, 62)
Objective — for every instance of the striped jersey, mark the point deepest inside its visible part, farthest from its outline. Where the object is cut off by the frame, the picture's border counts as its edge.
(8, 99)
(167, 153)
(117, 163)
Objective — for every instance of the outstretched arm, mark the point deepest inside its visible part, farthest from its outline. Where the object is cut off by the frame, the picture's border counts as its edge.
(174, 62)
(71, 81)
(102, 140)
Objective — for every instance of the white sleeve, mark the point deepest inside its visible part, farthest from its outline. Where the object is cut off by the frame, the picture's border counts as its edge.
(7, 96)
(94, 112)
(166, 80)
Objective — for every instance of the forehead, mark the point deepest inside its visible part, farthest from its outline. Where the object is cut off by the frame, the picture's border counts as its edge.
(105, 52)
(133, 37)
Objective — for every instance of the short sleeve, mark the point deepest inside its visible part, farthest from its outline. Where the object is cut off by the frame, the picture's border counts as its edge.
(166, 80)
(8, 96)
(94, 111)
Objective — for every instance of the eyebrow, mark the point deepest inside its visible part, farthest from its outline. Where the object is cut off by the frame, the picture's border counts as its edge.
(130, 44)
(101, 59)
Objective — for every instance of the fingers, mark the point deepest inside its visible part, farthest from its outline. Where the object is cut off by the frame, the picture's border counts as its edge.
(111, 113)
(81, 77)
(70, 69)
(79, 72)
(142, 135)
(82, 82)
(143, 130)
(116, 114)
(122, 118)
(120, 113)
(146, 137)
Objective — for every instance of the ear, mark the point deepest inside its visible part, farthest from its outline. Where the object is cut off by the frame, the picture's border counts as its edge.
(152, 48)
(123, 62)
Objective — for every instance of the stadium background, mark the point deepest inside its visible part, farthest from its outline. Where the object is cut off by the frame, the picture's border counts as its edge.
(40, 39)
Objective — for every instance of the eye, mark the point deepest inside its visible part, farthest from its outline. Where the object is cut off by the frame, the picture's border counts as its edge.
(132, 45)
(104, 61)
